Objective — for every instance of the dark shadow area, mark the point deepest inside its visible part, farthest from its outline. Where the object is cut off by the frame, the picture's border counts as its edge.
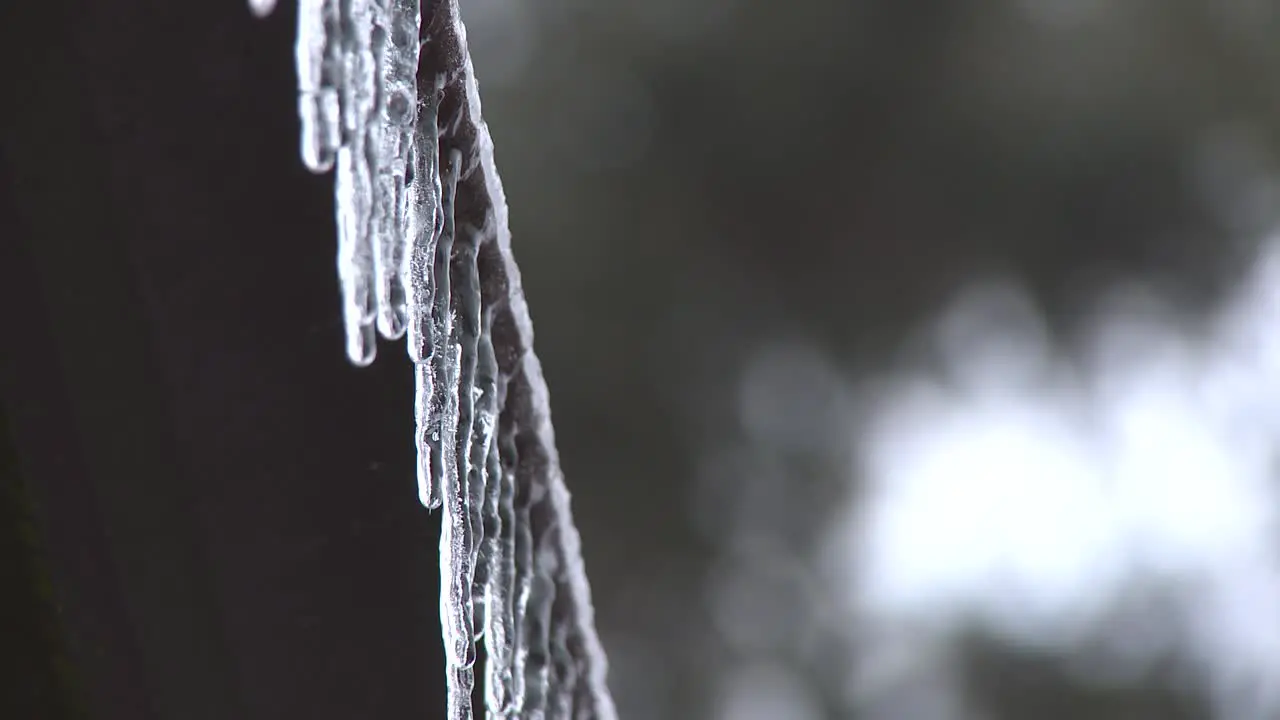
(226, 507)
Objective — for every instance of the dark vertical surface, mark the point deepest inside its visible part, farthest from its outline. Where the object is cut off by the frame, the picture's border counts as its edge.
(228, 509)
(36, 678)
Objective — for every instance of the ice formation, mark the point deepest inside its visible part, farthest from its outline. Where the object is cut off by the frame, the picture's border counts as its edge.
(387, 99)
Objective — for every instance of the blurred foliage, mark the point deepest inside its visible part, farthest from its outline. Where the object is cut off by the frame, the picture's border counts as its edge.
(1015, 683)
(693, 179)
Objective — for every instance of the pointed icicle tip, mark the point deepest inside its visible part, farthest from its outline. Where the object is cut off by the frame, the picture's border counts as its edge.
(362, 345)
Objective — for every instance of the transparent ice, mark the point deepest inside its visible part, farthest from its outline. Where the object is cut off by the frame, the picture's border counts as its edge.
(387, 99)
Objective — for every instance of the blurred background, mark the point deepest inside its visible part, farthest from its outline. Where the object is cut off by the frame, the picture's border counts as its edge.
(908, 360)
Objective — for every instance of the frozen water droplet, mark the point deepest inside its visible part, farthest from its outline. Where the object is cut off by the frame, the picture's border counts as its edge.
(262, 8)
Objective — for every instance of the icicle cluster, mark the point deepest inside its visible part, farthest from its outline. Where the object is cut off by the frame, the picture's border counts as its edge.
(387, 99)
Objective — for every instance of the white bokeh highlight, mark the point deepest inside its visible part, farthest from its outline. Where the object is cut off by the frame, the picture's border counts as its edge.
(1030, 490)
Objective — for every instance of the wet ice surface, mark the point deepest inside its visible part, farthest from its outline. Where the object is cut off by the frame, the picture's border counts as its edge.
(387, 99)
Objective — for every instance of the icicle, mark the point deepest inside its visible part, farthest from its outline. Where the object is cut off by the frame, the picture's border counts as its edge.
(424, 250)
(455, 542)
(318, 54)
(482, 446)
(422, 234)
(471, 439)
(397, 45)
(494, 574)
(500, 622)
(387, 237)
(440, 439)
(467, 324)
(424, 396)
(535, 659)
(354, 186)
(561, 695)
(422, 231)
(522, 585)
(459, 683)
(456, 539)
(355, 257)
